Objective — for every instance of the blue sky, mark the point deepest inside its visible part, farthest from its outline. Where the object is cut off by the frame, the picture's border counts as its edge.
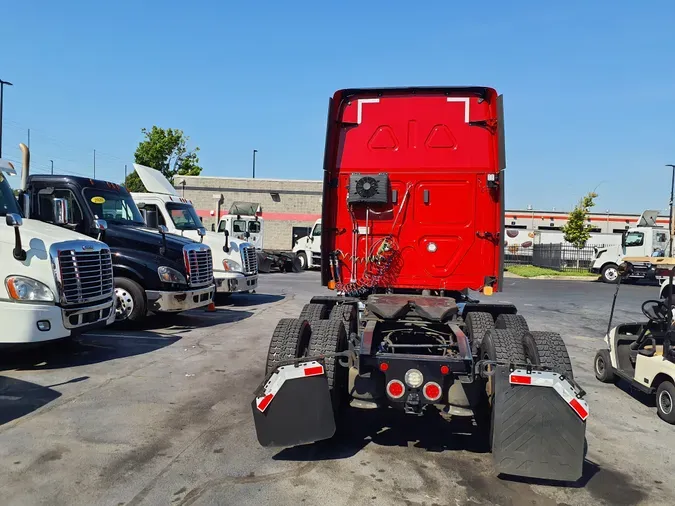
(588, 86)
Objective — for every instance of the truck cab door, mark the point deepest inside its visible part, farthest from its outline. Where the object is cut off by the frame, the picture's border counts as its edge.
(634, 243)
(315, 236)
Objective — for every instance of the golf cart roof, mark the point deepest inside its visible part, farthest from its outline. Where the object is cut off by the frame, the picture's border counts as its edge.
(662, 262)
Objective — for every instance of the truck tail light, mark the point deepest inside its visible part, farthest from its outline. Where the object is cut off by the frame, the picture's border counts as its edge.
(432, 391)
(395, 389)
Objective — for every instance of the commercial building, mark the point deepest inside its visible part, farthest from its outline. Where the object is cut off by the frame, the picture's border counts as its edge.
(290, 207)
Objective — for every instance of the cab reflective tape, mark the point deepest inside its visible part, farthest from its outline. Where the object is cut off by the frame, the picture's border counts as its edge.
(283, 374)
(551, 379)
(98, 200)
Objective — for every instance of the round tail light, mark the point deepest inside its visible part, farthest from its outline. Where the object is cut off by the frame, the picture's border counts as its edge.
(395, 389)
(432, 391)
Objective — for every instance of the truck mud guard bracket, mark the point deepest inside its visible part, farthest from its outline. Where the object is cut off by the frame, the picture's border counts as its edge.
(539, 424)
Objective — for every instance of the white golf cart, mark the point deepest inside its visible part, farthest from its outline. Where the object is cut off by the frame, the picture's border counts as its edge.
(642, 353)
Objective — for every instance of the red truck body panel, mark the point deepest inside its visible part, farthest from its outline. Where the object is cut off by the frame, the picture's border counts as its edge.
(441, 148)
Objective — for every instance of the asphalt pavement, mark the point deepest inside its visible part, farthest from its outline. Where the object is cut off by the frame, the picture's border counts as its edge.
(162, 415)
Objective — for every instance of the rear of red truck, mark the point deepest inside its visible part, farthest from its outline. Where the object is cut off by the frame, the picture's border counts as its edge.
(412, 222)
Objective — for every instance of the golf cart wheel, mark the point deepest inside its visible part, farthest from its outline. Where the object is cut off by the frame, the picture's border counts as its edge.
(289, 340)
(302, 257)
(602, 366)
(329, 336)
(346, 313)
(610, 273)
(514, 322)
(315, 311)
(549, 350)
(665, 401)
(476, 325)
(130, 305)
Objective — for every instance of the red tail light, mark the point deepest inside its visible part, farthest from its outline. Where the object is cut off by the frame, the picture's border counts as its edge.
(432, 391)
(395, 389)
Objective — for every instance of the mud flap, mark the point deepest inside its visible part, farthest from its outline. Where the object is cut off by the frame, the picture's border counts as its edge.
(294, 406)
(539, 425)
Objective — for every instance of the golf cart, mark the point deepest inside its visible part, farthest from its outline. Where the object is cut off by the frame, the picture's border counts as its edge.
(641, 353)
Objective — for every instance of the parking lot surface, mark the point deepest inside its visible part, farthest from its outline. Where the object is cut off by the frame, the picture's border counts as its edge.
(161, 415)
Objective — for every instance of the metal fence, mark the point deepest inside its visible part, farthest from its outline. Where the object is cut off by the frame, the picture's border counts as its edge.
(559, 257)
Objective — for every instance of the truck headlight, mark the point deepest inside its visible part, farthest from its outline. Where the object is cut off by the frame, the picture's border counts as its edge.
(169, 275)
(231, 265)
(23, 289)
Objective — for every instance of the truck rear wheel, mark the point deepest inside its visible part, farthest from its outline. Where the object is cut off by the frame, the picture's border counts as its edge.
(501, 345)
(477, 324)
(329, 336)
(130, 304)
(514, 322)
(346, 313)
(548, 349)
(289, 340)
(315, 311)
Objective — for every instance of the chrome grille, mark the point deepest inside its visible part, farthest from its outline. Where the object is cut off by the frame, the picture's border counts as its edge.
(249, 257)
(199, 264)
(85, 275)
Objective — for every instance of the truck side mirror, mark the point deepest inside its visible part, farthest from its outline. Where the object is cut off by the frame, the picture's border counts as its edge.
(152, 218)
(14, 220)
(60, 210)
(101, 226)
(201, 232)
(247, 234)
(163, 230)
(226, 248)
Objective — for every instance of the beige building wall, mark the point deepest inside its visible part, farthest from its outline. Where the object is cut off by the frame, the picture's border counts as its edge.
(285, 203)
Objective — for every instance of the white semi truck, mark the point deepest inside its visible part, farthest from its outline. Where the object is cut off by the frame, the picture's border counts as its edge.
(55, 283)
(305, 254)
(235, 262)
(646, 239)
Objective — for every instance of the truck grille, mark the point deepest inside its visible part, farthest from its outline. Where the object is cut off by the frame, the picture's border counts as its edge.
(85, 275)
(249, 257)
(199, 265)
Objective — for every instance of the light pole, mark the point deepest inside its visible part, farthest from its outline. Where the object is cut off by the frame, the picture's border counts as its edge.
(52, 166)
(607, 225)
(670, 218)
(529, 208)
(254, 152)
(2, 87)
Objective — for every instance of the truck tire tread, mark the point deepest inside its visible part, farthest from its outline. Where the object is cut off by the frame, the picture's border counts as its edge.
(289, 340)
(346, 313)
(503, 345)
(477, 324)
(548, 349)
(515, 322)
(315, 311)
(328, 336)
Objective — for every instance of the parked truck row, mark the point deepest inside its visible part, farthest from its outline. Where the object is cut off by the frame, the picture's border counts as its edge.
(78, 254)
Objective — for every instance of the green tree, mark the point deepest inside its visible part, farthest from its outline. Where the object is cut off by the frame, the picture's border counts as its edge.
(166, 151)
(577, 230)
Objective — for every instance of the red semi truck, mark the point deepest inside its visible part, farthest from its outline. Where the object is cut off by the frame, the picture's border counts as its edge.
(413, 215)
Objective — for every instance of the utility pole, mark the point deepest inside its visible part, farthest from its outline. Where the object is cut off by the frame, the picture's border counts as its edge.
(94, 164)
(52, 166)
(670, 218)
(254, 152)
(2, 86)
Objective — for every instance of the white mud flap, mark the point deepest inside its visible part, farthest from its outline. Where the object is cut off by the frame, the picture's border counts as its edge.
(293, 406)
(539, 425)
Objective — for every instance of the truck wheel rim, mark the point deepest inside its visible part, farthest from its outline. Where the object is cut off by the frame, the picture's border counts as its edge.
(666, 402)
(124, 304)
(611, 274)
(302, 261)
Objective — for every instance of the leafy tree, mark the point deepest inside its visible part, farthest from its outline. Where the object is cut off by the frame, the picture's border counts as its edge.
(166, 151)
(577, 230)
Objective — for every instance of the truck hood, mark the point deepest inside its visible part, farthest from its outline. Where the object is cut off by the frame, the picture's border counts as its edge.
(145, 239)
(38, 235)
(154, 181)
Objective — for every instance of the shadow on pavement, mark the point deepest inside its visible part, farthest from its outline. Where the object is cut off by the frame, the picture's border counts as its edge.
(360, 428)
(179, 322)
(248, 299)
(85, 350)
(19, 398)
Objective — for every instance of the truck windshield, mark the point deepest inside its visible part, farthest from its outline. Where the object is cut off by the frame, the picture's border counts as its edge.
(113, 206)
(8, 204)
(184, 216)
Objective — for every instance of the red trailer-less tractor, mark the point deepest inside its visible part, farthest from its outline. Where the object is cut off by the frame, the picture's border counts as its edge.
(413, 214)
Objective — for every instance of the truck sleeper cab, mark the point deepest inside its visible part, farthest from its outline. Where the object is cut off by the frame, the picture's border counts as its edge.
(55, 283)
(235, 266)
(153, 270)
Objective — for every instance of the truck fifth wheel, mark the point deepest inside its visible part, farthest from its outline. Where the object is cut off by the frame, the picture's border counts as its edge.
(412, 220)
